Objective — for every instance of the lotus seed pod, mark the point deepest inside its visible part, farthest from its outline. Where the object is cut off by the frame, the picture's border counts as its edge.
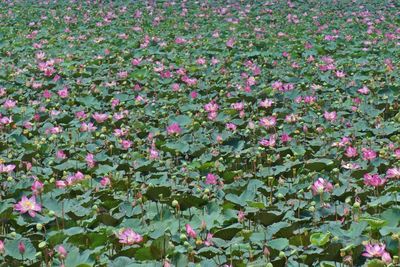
(39, 226)
(281, 254)
(175, 203)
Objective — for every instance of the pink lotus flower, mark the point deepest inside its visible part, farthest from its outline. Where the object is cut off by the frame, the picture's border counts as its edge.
(37, 187)
(21, 247)
(368, 154)
(62, 252)
(364, 90)
(211, 107)
(100, 117)
(63, 93)
(61, 184)
(351, 152)
(231, 126)
(208, 242)
(266, 103)
(373, 180)
(128, 237)
(330, 116)
(397, 153)
(268, 142)
(285, 138)
(9, 104)
(386, 258)
(241, 216)
(374, 250)
(190, 232)
(1, 247)
(393, 173)
(320, 186)
(211, 179)
(87, 127)
(90, 160)
(268, 122)
(105, 181)
(126, 144)
(6, 168)
(230, 43)
(28, 205)
(61, 154)
(174, 128)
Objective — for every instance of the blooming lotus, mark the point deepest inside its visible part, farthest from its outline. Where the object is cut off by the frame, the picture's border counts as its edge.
(368, 154)
(330, 116)
(128, 237)
(28, 205)
(211, 179)
(376, 251)
(268, 122)
(393, 173)
(373, 180)
(320, 186)
(174, 128)
(351, 152)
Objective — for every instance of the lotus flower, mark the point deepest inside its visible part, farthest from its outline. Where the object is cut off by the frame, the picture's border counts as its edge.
(373, 180)
(128, 237)
(320, 186)
(28, 205)
(190, 232)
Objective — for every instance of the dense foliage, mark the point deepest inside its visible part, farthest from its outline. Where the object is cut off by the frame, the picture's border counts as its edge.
(199, 133)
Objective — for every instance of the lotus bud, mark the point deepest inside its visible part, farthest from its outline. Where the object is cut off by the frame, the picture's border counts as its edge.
(21, 247)
(183, 237)
(282, 254)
